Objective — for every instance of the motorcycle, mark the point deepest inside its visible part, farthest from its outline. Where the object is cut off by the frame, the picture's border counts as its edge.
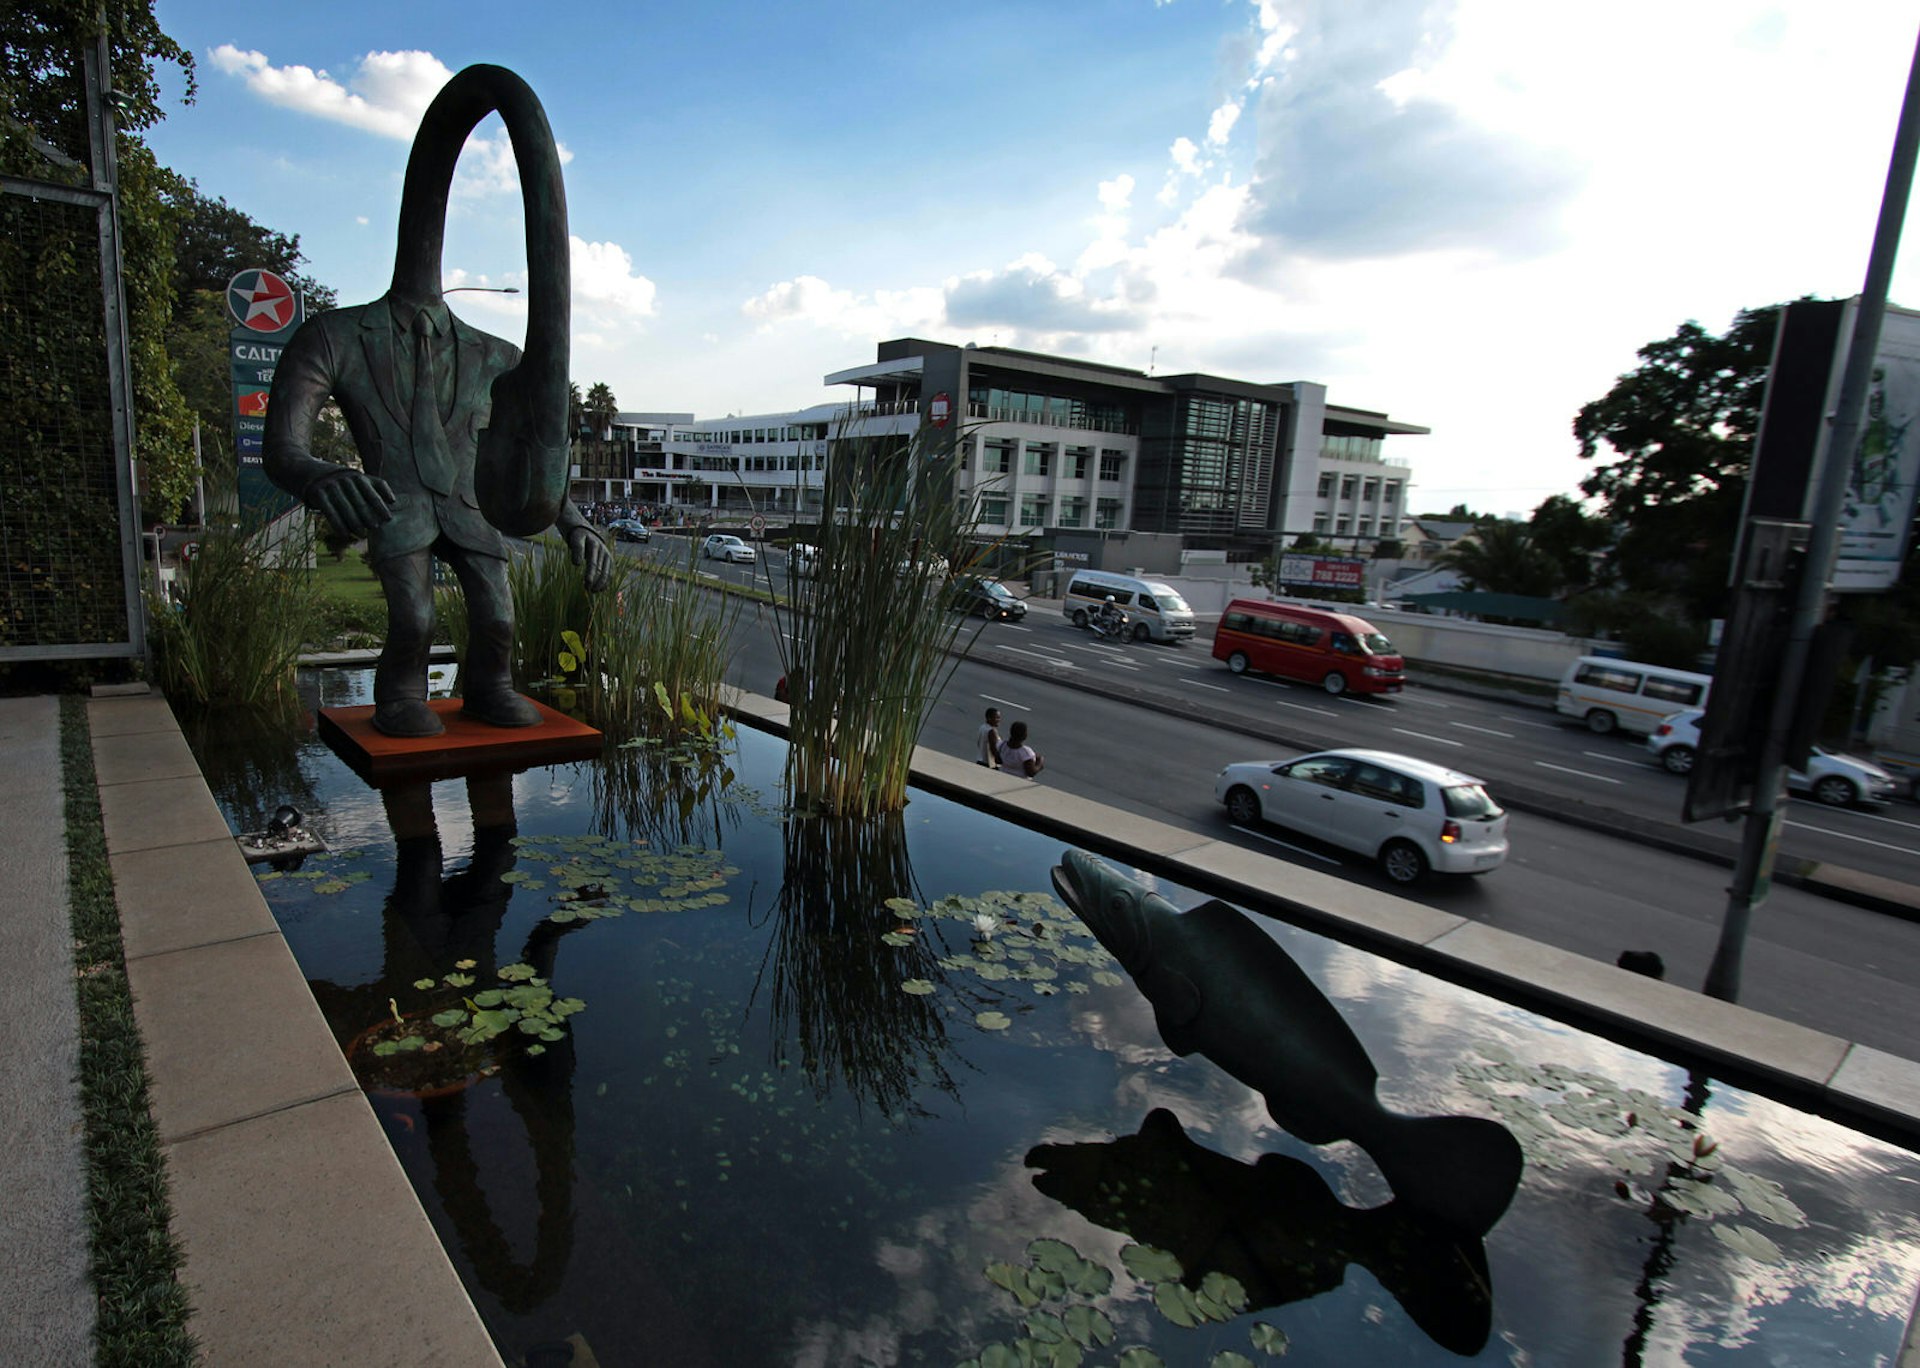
(1119, 629)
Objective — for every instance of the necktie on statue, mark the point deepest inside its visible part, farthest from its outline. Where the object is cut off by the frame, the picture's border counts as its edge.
(431, 455)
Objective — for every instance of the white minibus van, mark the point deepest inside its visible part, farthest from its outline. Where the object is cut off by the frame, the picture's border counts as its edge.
(1157, 609)
(1606, 694)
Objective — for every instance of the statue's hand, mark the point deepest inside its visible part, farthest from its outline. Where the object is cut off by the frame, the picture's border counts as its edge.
(352, 500)
(591, 555)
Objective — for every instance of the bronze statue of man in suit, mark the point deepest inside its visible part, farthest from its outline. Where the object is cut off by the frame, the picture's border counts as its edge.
(448, 420)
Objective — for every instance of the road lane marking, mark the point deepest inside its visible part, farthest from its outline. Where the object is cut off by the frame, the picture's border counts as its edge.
(1890, 821)
(1487, 731)
(1061, 661)
(1006, 702)
(1305, 707)
(1437, 740)
(1863, 840)
(1200, 684)
(1422, 698)
(1638, 762)
(1523, 722)
(1603, 778)
(1288, 845)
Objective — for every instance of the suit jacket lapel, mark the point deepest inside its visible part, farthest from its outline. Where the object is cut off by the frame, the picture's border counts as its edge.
(376, 335)
(470, 394)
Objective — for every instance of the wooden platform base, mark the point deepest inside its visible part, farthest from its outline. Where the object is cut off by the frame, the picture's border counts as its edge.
(465, 747)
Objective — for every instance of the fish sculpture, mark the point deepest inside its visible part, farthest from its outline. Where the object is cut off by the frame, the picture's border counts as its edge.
(1222, 987)
(1273, 1225)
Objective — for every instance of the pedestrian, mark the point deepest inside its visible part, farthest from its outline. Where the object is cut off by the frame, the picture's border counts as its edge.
(1018, 756)
(987, 742)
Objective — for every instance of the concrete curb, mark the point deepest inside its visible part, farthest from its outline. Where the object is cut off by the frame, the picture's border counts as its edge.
(303, 1238)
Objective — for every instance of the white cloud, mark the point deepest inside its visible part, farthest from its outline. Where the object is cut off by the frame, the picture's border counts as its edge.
(810, 300)
(1116, 194)
(1220, 126)
(387, 94)
(604, 282)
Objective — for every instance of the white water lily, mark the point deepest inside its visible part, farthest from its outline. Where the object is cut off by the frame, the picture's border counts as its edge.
(985, 924)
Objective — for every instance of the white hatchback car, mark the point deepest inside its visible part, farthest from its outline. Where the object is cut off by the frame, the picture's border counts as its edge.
(723, 546)
(1832, 778)
(1410, 815)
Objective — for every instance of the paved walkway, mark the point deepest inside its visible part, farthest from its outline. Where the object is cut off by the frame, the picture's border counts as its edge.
(46, 1303)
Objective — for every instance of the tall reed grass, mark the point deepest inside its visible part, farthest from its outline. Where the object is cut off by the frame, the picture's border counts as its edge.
(650, 634)
(866, 637)
(248, 600)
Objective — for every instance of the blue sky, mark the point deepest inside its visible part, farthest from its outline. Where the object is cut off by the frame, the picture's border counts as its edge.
(1468, 213)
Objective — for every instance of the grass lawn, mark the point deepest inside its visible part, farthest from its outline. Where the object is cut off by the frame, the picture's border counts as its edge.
(347, 580)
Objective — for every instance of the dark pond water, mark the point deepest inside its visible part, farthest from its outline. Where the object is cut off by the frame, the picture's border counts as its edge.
(809, 1114)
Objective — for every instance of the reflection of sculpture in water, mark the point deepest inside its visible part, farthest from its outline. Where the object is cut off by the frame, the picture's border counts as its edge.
(1221, 986)
(1273, 1225)
(462, 436)
(432, 921)
(835, 984)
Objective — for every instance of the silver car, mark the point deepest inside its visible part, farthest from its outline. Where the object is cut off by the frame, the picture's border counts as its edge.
(723, 546)
(1830, 777)
(1410, 815)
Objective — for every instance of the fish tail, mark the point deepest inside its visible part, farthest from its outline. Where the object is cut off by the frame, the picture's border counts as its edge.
(1460, 1170)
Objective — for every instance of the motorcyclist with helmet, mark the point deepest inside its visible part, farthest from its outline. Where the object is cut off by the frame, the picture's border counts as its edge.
(1110, 619)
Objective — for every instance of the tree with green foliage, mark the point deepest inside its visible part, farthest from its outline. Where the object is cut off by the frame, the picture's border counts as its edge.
(1503, 558)
(1561, 530)
(43, 136)
(215, 241)
(599, 411)
(1681, 426)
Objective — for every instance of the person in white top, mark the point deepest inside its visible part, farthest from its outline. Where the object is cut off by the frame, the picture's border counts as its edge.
(1017, 756)
(987, 742)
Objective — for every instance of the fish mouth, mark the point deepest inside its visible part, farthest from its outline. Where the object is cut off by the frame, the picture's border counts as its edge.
(1078, 880)
(1107, 901)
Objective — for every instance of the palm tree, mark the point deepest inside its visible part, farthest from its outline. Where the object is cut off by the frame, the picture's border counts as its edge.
(1503, 558)
(598, 412)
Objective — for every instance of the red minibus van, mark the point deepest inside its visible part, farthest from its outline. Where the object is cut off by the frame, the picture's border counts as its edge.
(1334, 650)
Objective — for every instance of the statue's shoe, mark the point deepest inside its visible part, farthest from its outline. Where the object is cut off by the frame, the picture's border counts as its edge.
(501, 708)
(406, 717)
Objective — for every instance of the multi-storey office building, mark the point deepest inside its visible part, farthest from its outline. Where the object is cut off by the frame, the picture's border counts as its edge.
(1049, 442)
(1052, 443)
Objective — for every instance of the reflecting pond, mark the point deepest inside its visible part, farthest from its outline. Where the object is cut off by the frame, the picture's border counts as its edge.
(679, 1080)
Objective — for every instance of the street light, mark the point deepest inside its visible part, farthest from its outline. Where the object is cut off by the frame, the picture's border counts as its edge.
(483, 289)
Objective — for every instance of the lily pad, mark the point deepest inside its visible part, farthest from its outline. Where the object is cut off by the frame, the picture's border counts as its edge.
(1088, 1324)
(424, 984)
(918, 987)
(1178, 1304)
(458, 980)
(1229, 1358)
(1268, 1339)
(1748, 1241)
(992, 1021)
(1136, 1357)
(1151, 1265)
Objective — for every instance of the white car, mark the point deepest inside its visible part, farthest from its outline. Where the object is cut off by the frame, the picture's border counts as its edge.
(722, 546)
(802, 559)
(1832, 778)
(1410, 815)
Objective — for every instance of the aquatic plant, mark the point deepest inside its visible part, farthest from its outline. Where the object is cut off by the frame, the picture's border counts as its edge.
(864, 635)
(247, 601)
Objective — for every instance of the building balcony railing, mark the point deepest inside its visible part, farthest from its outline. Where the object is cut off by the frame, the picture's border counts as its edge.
(1000, 415)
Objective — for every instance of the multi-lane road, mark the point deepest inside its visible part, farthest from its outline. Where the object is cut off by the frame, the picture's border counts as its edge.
(1147, 727)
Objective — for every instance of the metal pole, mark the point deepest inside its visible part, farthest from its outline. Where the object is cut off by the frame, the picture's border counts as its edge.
(1752, 872)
